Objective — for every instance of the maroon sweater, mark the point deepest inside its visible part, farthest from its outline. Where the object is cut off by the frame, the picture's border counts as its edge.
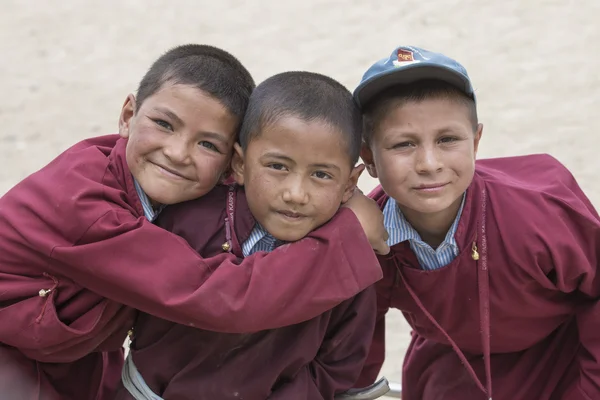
(77, 229)
(311, 360)
(526, 312)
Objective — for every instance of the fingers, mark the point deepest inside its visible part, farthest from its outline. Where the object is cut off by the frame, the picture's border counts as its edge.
(382, 249)
(360, 168)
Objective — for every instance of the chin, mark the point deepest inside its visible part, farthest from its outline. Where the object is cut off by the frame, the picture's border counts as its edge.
(170, 195)
(286, 236)
(429, 207)
(160, 198)
(291, 237)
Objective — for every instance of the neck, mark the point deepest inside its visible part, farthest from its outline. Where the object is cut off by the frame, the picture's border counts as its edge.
(155, 204)
(433, 227)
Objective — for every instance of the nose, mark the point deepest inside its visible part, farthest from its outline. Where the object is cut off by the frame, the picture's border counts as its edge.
(428, 160)
(294, 190)
(176, 149)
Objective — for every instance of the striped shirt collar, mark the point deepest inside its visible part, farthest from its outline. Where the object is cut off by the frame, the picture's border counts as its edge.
(149, 211)
(259, 240)
(400, 230)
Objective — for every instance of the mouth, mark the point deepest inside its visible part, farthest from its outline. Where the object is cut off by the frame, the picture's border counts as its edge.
(170, 172)
(431, 188)
(291, 215)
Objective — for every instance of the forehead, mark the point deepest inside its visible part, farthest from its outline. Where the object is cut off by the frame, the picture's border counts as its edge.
(187, 98)
(433, 111)
(304, 140)
(192, 108)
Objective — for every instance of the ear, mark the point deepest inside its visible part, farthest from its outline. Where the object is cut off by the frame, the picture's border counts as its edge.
(237, 163)
(478, 134)
(227, 173)
(127, 113)
(367, 156)
(352, 182)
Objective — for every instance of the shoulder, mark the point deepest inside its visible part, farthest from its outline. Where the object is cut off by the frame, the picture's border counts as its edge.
(67, 195)
(535, 205)
(536, 173)
(197, 209)
(379, 196)
(532, 185)
(207, 212)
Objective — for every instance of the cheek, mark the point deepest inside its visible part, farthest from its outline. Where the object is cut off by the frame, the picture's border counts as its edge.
(328, 200)
(143, 141)
(210, 168)
(393, 168)
(463, 162)
(468, 169)
(262, 185)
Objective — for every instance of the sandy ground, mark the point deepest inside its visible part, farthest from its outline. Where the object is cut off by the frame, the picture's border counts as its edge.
(67, 66)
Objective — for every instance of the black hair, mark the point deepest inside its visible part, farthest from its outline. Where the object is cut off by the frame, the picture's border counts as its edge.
(308, 96)
(417, 91)
(208, 68)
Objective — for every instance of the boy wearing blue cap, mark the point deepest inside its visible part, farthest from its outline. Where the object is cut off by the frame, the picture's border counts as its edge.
(494, 263)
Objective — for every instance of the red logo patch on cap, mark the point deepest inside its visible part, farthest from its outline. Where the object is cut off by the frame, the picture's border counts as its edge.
(405, 55)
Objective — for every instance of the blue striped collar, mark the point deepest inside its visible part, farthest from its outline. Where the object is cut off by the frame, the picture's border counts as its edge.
(259, 240)
(400, 230)
(149, 211)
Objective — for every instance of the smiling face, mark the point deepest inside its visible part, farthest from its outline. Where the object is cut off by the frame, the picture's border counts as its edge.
(296, 175)
(423, 153)
(179, 142)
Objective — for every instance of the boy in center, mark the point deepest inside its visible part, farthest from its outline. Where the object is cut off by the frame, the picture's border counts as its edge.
(294, 168)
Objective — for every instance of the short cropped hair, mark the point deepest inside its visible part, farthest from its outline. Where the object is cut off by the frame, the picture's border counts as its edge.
(308, 96)
(212, 70)
(418, 91)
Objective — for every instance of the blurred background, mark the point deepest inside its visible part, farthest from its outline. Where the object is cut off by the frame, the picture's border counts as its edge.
(66, 68)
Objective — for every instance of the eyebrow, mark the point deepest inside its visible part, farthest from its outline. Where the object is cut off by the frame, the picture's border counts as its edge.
(211, 135)
(409, 133)
(169, 114)
(283, 157)
(216, 136)
(326, 166)
(273, 154)
(446, 129)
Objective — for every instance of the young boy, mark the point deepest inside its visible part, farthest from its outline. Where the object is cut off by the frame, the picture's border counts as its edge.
(78, 249)
(494, 264)
(300, 140)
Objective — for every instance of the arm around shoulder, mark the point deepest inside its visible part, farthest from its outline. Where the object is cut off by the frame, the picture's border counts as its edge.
(131, 261)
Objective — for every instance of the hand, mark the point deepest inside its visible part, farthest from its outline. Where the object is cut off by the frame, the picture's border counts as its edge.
(371, 218)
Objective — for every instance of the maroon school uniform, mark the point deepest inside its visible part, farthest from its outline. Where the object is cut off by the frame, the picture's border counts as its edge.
(310, 360)
(520, 301)
(75, 248)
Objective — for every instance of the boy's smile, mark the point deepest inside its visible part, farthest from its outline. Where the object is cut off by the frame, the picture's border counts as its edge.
(296, 175)
(179, 142)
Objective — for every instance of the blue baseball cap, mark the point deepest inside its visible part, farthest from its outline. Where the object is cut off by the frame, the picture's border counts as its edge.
(408, 64)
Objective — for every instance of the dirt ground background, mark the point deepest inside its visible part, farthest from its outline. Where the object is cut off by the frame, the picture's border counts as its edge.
(66, 67)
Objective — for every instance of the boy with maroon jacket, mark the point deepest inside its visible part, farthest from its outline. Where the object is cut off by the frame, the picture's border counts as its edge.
(494, 263)
(300, 140)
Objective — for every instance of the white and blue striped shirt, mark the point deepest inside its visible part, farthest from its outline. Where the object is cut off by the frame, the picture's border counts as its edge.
(400, 230)
(149, 211)
(259, 240)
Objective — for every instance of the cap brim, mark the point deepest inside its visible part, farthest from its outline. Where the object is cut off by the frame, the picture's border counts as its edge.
(370, 88)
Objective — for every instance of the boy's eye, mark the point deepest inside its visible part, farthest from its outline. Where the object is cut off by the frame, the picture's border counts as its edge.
(402, 145)
(163, 124)
(448, 139)
(208, 145)
(277, 166)
(322, 175)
